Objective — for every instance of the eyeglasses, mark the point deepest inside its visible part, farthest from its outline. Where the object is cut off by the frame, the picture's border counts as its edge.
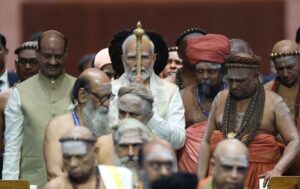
(102, 99)
(25, 61)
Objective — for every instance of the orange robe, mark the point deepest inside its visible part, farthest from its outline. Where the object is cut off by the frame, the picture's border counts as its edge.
(264, 153)
(294, 170)
(188, 155)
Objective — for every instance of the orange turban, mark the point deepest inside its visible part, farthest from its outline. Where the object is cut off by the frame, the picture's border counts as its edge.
(210, 48)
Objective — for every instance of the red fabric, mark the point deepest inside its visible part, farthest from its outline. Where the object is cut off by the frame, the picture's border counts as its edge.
(211, 48)
(188, 155)
(264, 153)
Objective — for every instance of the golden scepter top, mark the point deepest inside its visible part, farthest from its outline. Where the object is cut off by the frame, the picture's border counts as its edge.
(138, 32)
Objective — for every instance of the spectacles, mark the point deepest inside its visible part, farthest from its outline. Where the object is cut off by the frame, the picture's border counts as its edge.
(25, 61)
(102, 99)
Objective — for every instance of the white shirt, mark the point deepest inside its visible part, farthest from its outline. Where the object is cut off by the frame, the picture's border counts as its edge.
(13, 136)
(168, 120)
(5, 84)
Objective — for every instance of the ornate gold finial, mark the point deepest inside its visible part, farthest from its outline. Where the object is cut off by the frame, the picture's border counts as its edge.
(138, 32)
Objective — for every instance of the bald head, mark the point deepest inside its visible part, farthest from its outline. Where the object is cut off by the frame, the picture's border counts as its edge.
(229, 164)
(94, 75)
(78, 133)
(91, 79)
(51, 37)
(157, 159)
(231, 148)
(285, 46)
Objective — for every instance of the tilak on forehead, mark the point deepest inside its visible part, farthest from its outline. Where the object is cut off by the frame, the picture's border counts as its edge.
(285, 48)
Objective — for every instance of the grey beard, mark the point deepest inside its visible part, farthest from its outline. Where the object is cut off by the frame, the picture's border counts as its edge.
(207, 89)
(96, 120)
(131, 74)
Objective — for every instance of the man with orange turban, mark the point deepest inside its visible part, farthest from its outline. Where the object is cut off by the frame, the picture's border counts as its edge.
(206, 53)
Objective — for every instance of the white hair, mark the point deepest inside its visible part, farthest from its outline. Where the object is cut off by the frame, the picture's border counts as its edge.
(131, 37)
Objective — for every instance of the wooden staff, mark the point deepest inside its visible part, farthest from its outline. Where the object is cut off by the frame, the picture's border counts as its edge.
(139, 32)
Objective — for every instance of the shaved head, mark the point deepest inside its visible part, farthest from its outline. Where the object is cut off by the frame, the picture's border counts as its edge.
(78, 133)
(229, 164)
(285, 46)
(239, 46)
(94, 75)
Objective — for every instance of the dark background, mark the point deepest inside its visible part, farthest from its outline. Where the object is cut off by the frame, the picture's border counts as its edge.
(89, 26)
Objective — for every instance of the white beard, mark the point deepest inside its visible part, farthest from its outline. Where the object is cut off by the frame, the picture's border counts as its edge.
(97, 120)
(131, 74)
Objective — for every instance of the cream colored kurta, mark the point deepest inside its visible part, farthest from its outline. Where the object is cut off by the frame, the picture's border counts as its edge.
(31, 106)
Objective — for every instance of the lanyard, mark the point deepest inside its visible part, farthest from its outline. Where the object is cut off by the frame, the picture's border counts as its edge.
(76, 119)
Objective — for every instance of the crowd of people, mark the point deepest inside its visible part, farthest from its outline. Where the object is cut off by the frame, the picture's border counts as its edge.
(144, 116)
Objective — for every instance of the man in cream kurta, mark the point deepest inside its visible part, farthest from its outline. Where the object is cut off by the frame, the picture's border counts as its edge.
(167, 121)
(32, 104)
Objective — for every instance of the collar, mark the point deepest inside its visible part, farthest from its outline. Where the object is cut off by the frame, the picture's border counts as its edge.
(51, 81)
(3, 77)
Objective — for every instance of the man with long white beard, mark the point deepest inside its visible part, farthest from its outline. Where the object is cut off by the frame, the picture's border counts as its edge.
(129, 137)
(167, 121)
(91, 93)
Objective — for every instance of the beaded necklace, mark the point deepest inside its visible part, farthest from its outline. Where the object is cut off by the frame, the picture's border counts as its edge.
(97, 180)
(275, 88)
(251, 120)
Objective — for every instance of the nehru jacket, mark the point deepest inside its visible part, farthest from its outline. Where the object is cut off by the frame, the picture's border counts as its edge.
(32, 104)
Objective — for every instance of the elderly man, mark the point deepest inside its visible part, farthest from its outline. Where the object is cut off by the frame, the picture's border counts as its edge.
(102, 62)
(135, 102)
(168, 113)
(32, 104)
(286, 58)
(174, 64)
(91, 93)
(157, 159)
(229, 166)
(206, 54)
(79, 150)
(129, 137)
(253, 115)
(26, 66)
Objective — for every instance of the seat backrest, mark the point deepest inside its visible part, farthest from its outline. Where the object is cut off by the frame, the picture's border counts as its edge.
(14, 184)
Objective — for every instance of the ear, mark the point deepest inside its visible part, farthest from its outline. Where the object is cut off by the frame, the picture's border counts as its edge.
(82, 96)
(66, 54)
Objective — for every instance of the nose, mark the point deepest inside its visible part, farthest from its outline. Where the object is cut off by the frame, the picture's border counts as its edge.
(206, 75)
(28, 66)
(234, 173)
(173, 65)
(130, 151)
(73, 162)
(52, 60)
(285, 72)
(164, 171)
(127, 115)
(234, 85)
(106, 103)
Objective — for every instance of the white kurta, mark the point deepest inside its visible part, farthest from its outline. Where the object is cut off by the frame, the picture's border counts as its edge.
(168, 120)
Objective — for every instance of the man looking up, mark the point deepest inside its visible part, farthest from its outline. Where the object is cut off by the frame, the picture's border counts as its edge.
(229, 166)
(32, 104)
(168, 118)
(206, 54)
(254, 116)
(286, 58)
(91, 93)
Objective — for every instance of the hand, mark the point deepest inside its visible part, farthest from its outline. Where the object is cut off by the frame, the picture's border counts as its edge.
(272, 173)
